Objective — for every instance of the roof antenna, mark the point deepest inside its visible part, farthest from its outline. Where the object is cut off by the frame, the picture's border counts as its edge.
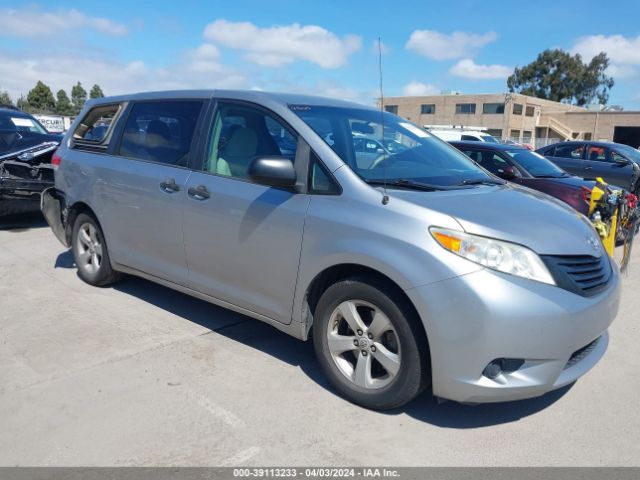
(385, 197)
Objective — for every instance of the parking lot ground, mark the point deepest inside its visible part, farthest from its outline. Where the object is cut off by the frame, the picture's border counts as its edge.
(139, 374)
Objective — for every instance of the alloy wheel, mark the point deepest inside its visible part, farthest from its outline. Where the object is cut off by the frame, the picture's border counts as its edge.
(363, 344)
(89, 247)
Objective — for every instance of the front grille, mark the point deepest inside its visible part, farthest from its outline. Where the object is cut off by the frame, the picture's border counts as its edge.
(581, 274)
(581, 353)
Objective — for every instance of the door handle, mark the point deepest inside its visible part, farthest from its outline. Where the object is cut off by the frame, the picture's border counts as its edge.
(169, 186)
(199, 193)
(588, 168)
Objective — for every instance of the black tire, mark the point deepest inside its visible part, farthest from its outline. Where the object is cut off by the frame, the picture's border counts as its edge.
(414, 373)
(104, 274)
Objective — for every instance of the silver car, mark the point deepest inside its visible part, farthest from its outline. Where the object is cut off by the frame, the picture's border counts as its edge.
(413, 269)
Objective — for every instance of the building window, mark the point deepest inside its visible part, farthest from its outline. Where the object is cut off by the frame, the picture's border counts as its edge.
(587, 136)
(427, 109)
(529, 112)
(495, 132)
(493, 108)
(391, 109)
(526, 136)
(465, 108)
(517, 109)
(515, 135)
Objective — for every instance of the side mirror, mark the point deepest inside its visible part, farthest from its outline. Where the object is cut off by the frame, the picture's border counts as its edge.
(508, 173)
(273, 171)
(620, 160)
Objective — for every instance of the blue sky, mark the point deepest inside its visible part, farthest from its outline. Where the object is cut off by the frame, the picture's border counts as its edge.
(323, 47)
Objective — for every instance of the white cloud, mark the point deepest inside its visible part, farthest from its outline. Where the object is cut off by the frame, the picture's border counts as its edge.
(622, 71)
(442, 46)
(619, 49)
(60, 71)
(623, 52)
(280, 45)
(382, 48)
(33, 22)
(418, 89)
(467, 68)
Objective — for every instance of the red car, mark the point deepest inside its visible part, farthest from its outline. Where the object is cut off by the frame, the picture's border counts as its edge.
(530, 169)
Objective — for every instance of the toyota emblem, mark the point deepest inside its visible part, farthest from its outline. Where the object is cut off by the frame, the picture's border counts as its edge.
(594, 242)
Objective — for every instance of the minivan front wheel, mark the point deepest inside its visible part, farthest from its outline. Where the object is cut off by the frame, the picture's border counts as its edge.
(90, 252)
(369, 344)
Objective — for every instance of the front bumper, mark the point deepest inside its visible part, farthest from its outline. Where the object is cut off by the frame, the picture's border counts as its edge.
(486, 315)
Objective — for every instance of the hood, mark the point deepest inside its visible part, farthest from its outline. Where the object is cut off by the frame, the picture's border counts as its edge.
(516, 214)
(571, 181)
(12, 141)
(30, 148)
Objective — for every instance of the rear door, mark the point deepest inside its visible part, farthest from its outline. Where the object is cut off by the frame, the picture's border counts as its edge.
(568, 156)
(601, 162)
(142, 187)
(243, 239)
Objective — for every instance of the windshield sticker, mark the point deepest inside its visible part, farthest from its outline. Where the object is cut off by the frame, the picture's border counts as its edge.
(22, 122)
(418, 132)
(296, 108)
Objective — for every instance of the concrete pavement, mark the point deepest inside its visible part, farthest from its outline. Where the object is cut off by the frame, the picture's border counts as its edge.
(141, 375)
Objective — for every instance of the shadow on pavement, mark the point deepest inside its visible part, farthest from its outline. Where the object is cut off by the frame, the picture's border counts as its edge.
(456, 415)
(65, 260)
(21, 222)
(267, 339)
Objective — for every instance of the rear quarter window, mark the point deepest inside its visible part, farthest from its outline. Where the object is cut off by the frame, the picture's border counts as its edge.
(96, 127)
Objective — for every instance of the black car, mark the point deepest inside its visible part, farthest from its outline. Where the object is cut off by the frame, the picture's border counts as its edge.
(520, 165)
(615, 163)
(26, 149)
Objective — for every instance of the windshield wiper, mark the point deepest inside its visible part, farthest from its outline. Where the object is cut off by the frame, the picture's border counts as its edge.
(551, 176)
(482, 181)
(404, 183)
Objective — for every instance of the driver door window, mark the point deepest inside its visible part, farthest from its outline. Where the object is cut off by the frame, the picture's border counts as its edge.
(598, 154)
(616, 157)
(240, 134)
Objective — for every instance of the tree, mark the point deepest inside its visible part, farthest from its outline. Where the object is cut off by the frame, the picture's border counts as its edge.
(559, 76)
(5, 98)
(41, 99)
(96, 92)
(78, 97)
(23, 104)
(63, 104)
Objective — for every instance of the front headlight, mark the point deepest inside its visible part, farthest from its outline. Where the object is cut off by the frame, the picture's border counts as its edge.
(499, 255)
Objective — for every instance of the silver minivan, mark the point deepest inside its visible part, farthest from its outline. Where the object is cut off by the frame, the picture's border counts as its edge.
(413, 269)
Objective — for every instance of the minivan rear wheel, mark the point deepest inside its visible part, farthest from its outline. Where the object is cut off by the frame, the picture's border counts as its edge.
(369, 343)
(90, 252)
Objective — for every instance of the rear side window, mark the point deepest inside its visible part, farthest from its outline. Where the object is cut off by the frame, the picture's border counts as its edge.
(161, 131)
(569, 151)
(94, 131)
(470, 138)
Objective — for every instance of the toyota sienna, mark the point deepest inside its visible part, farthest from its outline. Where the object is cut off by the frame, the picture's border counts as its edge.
(411, 269)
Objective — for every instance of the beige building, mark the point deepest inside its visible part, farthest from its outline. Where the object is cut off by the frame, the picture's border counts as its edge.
(520, 117)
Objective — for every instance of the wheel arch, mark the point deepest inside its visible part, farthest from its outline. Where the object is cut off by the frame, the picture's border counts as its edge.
(72, 213)
(338, 272)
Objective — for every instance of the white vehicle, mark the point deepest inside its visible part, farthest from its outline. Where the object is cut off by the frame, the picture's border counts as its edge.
(450, 133)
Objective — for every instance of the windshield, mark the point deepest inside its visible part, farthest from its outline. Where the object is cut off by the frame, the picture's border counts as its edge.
(489, 138)
(629, 152)
(536, 164)
(19, 122)
(395, 152)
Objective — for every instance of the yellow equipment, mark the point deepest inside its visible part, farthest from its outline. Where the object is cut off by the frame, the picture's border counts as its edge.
(606, 229)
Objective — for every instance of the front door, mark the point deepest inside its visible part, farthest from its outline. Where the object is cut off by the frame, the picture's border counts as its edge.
(601, 162)
(243, 239)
